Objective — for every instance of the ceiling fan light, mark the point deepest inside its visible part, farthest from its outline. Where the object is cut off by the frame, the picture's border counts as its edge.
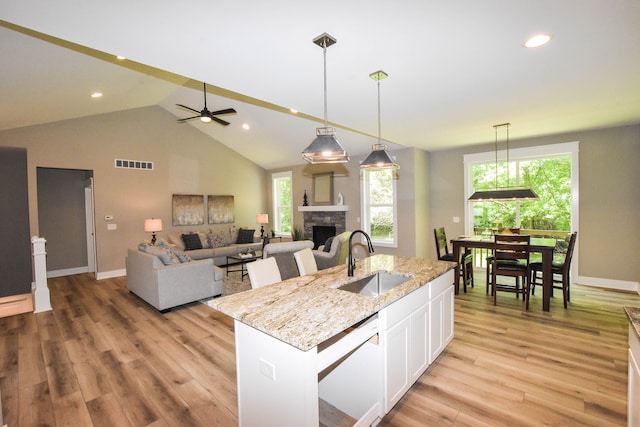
(205, 119)
(325, 148)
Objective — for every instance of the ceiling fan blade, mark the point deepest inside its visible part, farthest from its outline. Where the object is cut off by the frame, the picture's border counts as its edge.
(188, 108)
(220, 121)
(226, 111)
(188, 118)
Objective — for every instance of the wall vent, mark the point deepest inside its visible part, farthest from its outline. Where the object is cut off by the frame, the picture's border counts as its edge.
(134, 164)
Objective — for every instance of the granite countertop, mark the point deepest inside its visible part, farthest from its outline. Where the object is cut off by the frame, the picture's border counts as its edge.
(634, 318)
(307, 310)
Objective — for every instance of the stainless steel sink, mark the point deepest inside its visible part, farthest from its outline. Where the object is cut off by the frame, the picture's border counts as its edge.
(375, 284)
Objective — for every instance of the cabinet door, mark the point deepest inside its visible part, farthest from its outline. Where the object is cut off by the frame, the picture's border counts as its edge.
(419, 342)
(634, 391)
(436, 336)
(396, 363)
(447, 317)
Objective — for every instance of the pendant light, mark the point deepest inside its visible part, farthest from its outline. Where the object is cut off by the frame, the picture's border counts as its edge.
(325, 148)
(503, 193)
(379, 158)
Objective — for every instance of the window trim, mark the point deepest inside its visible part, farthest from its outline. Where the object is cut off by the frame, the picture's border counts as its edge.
(525, 153)
(366, 226)
(274, 200)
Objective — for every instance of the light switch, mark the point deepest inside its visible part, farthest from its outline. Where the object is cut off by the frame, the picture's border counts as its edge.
(456, 219)
(112, 227)
(267, 369)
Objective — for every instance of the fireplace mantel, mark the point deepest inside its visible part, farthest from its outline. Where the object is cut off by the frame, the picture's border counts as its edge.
(327, 208)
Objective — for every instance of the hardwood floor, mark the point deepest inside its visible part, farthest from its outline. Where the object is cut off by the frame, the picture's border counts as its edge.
(102, 357)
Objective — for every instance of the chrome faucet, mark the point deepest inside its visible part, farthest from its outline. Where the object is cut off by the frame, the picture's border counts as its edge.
(351, 261)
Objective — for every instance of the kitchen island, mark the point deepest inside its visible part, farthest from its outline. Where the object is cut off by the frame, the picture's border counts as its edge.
(302, 344)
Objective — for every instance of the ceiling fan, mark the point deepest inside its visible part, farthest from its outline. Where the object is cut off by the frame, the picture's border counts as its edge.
(205, 115)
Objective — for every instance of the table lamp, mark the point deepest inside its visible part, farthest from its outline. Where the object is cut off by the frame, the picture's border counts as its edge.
(262, 219)
(152, 226)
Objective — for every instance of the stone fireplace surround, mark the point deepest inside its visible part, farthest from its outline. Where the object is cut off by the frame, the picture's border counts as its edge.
(324, 216)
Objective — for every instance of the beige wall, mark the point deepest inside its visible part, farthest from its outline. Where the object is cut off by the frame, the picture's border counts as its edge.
(609, 199)
(185, 161)
(412, 196)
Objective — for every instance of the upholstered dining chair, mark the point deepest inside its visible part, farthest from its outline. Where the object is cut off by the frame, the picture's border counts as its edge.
(558, 268)
(263, 272)
(511, 258)
(442, 251)
(306, 261)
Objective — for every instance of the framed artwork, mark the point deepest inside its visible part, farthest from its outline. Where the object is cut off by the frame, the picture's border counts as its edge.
(188, 209)
(220, 209)
(323, 189)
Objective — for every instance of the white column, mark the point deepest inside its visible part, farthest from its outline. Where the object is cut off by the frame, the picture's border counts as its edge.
(41, 294)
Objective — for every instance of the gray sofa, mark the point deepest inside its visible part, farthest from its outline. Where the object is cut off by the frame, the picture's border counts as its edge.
(215, 245)
(168, 286)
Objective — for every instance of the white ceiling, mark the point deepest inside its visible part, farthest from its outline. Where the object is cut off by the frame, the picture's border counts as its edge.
(455, 68)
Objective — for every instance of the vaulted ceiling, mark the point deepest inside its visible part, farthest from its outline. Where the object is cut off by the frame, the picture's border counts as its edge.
(455, 68)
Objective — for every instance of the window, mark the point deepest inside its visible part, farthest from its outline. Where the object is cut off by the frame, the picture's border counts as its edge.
(379, 206)
(282, 202)
(551, 171)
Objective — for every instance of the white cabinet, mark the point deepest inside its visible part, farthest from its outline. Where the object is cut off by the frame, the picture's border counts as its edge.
(633, 416)
(413, 332)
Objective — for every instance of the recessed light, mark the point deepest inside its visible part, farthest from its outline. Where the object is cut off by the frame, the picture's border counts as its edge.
(246, 126)
(121, 58)
(293, 110)
(538, 40)
(96, 95)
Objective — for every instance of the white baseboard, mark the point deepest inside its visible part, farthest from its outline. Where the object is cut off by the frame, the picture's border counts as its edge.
(110, 274)
(621, 285)
(67, 272)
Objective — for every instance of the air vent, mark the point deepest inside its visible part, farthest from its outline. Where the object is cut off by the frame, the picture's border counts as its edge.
(134, 164)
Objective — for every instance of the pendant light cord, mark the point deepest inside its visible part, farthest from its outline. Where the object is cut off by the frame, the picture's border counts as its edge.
(324, 54)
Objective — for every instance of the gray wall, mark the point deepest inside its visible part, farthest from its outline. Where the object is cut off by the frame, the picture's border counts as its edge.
(609, 199)
(186, 161)
(15, 251)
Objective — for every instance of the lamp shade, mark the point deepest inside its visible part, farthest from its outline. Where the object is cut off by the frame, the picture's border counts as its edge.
(325, 148)
(504, 194)
(152, 225)
(379, 158)
(262, 218)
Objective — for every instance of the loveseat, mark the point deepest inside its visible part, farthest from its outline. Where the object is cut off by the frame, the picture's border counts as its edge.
(283, 253)
(177, 283)
(213, 244)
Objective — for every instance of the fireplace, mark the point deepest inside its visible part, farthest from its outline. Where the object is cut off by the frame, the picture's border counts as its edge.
(320, 234)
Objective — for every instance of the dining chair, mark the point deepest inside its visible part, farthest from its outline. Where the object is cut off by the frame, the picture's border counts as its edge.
(558, 268)
(511, 258)
(306, 261)
(263, 272)
(442, 250)
(489, 258)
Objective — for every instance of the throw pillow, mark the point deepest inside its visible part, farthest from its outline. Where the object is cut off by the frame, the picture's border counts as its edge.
(191, 242)
(245, 236)
(164, 255)
(204, 241)
(182, 257)
(176, 240)
(327, 244)
(217, 239)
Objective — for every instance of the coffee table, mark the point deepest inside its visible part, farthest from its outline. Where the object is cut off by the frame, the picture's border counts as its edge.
(235, 260)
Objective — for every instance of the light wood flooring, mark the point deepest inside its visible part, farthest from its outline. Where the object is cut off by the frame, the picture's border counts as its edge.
(102, 357)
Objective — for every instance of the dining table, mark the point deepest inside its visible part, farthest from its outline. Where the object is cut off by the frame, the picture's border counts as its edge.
(545, 246)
